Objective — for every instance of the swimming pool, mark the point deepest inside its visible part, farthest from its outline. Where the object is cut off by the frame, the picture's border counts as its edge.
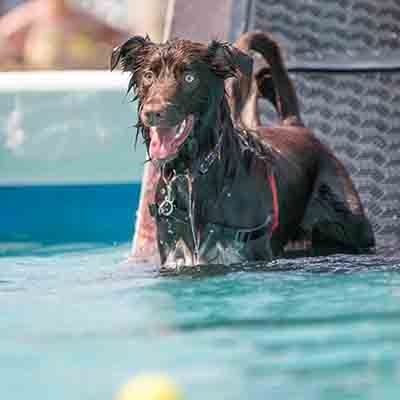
(76, 322)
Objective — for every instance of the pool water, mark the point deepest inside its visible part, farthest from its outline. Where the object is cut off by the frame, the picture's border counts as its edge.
(77, 321)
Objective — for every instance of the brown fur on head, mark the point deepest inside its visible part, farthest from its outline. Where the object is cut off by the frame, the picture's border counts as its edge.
(179, 86)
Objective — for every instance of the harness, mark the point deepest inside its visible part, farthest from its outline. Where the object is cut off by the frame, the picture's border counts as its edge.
(167, 209)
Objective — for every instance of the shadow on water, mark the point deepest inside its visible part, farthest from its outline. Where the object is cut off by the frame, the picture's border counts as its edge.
(338, 264)
(282, 323)
(162, 330)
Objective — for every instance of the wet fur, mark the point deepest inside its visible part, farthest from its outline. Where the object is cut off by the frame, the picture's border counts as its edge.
(276, 87)
(317, 199)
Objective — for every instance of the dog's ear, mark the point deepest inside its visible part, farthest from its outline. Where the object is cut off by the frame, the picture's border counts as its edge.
(228, 60)
(130, 53)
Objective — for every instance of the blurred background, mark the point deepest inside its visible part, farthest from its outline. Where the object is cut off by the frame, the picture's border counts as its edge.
(72, 34)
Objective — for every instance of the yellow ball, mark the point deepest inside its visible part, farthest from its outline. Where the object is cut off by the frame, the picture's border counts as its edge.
(150, 387)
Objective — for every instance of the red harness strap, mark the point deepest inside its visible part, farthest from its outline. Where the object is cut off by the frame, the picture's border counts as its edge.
(275, 203)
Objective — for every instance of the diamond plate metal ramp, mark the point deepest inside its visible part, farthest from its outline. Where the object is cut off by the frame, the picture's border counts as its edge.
(310, 29)
(345, 62)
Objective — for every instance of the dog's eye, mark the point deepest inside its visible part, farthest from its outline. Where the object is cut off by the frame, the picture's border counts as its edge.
(148, 77)
(189, 78)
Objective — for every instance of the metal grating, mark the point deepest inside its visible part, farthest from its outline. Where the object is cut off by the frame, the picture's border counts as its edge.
(312, 29)
(356, 113)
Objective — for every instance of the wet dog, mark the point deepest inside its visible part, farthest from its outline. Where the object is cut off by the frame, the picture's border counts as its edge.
(231, 190)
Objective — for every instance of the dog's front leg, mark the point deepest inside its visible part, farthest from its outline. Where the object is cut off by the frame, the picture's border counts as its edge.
(180, 256)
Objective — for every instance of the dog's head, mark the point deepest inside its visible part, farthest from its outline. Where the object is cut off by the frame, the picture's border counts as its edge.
(179, 85)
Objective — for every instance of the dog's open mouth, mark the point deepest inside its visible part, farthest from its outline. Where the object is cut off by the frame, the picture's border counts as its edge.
(165, 142)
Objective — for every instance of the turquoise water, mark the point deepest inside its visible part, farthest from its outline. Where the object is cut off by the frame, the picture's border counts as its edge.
(77, 322)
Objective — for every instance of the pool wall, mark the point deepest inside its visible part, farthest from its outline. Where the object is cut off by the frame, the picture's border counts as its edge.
(69, 169)
(52, 214)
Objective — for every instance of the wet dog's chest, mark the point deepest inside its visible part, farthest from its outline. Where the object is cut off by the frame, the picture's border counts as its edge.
(242, 202)
(204, 221)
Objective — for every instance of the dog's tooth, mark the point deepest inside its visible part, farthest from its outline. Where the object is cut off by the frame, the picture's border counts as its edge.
(181, 129)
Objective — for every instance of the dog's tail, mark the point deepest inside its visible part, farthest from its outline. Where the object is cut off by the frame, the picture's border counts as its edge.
(271, 82)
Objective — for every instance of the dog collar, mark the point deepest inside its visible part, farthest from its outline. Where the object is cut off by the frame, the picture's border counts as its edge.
(166, 206)
(227, 232)
(211, 157)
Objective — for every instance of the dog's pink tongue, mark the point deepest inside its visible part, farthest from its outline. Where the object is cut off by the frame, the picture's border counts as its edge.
(162, 142)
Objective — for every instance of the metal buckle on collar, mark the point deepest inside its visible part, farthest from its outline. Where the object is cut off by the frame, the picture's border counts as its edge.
(211, 157)
(166, 207)
(203, 168)
(205, 165)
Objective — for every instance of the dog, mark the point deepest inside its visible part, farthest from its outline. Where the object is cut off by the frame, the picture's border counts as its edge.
(231, 190)
(244, 92)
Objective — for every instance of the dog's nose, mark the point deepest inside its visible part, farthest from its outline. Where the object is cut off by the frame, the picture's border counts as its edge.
(154, 115)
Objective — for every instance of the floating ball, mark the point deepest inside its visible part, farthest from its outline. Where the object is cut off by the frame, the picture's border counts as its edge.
(150, 387)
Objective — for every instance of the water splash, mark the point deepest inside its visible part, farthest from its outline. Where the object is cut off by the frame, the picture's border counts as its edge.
(15, 136)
